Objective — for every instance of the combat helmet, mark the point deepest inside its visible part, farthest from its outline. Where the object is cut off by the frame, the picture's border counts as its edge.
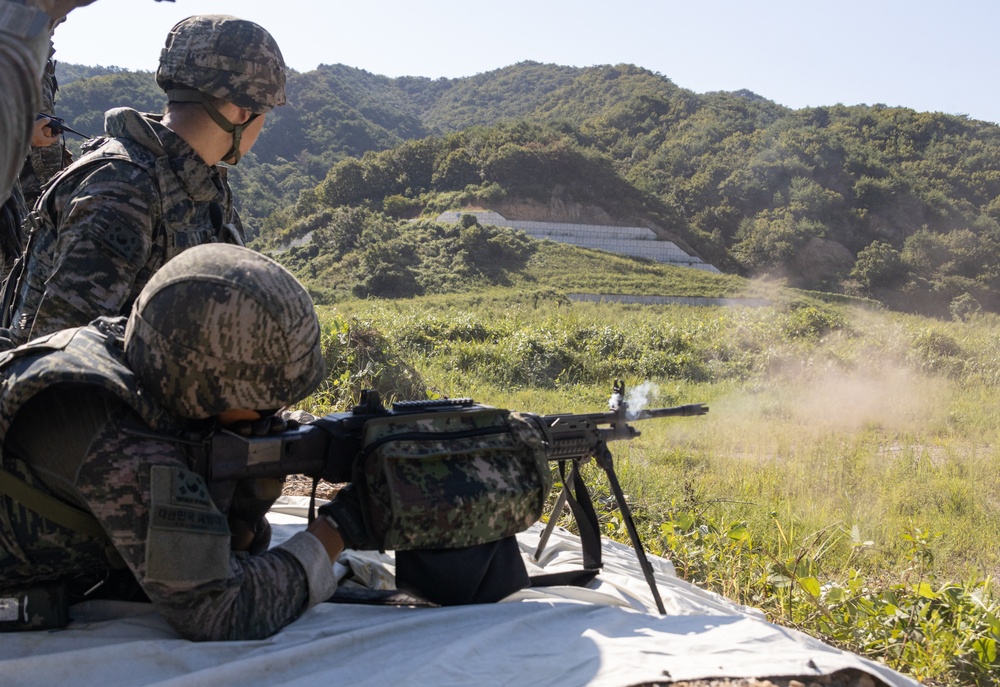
(220, 56)
(221, 327)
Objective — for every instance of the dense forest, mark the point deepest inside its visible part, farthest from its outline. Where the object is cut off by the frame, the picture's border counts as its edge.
(888, 203)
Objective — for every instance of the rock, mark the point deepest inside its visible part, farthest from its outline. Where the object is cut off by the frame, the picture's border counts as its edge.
(819, 261)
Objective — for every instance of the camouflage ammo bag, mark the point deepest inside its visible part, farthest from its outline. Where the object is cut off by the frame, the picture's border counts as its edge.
(446, 480)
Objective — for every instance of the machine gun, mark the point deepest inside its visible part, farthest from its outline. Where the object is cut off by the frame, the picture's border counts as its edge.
(328, 447)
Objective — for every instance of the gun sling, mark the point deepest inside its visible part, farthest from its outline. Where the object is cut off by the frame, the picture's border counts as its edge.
(59, 512)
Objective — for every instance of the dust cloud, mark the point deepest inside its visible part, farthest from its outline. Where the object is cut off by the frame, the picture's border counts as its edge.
(885, 397)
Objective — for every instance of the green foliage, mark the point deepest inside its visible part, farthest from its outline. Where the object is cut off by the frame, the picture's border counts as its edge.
(768, 241)
(937, 351)
(357, 252)
(486, 99)
(963, 307)
(357, 356)
(525, 160)
(68, 73)
(745, 183)
(809, 321)
(921, 626)
(82, 102)
(879, 265)
(529, 346)
(400, 206)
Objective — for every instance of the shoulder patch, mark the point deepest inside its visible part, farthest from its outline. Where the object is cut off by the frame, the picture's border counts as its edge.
(188, 538)
(120, 241)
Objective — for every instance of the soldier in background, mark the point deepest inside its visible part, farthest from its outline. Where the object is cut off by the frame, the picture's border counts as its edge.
(25, 41)
(48, 154)
(12, 214)
(94, 419)
(151, 187)
(44, 160)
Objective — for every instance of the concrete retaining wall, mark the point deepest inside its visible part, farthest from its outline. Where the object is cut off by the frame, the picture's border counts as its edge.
(637, 242)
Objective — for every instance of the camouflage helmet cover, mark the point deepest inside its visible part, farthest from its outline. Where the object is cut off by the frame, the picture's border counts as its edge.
(225, 57)
(222, 327)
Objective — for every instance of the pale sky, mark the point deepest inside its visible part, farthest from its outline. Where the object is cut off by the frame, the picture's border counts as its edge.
(925, 54)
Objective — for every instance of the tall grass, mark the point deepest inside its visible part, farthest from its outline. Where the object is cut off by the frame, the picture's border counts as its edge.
(846, 479)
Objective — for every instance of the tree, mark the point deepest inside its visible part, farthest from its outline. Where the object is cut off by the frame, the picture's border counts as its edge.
(344, 184)
(768, 241)
(879, 265)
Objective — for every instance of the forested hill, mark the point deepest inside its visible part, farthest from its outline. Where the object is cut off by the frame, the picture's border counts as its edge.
(886, 202)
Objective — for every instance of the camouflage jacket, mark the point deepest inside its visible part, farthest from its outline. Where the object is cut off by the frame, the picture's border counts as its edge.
(43, 163)
(40, 166)
(75, 424)
(105, 224)
(24, 47)
(12, 213)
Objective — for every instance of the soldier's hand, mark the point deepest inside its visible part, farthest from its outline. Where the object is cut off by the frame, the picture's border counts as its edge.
(248, 525)
(294, 418)
(345, 513)
(41, 135)
(252, 537)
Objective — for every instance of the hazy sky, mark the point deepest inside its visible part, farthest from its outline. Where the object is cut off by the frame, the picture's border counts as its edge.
(924, 54)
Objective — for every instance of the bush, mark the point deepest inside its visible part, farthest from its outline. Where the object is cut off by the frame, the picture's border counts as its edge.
(811, 322)
(879, 266)
(357, 356)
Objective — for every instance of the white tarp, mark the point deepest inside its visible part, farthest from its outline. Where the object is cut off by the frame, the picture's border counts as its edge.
(608, 635)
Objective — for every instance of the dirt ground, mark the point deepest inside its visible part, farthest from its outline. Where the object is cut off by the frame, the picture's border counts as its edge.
(300, 485)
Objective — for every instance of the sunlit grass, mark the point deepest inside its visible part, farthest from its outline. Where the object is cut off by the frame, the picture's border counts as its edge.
(846, 479)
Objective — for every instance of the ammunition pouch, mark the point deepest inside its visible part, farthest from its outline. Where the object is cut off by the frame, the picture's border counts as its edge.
(447, 480)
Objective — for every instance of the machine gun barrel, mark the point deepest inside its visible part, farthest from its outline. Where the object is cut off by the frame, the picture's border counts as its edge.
(575, 436)
(686, 410)
(614, 417)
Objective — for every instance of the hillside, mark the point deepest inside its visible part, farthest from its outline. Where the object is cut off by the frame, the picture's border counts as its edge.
(883, 202)
(354, 252)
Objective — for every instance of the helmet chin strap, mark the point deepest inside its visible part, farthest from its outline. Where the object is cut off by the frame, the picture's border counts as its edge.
(184, 95)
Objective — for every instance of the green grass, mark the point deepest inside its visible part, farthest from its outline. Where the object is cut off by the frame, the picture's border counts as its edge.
(846, 479)
(573, 269)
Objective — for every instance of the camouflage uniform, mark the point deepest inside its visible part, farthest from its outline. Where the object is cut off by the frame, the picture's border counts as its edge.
(12, 213)
(44, 162)
(24, 47)
(41, 165)
(110, 221)
(85, 420)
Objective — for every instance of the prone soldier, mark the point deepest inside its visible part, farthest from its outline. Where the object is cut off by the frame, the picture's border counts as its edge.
(98, 497)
